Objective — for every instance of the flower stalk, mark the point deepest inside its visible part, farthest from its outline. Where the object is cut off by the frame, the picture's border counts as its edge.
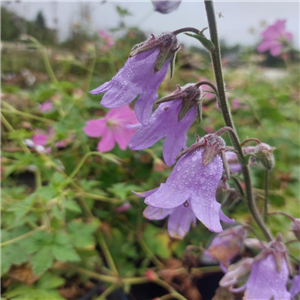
(224, 106)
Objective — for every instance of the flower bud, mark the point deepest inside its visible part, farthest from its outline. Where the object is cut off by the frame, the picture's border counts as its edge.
(264, 153)
(295, 227)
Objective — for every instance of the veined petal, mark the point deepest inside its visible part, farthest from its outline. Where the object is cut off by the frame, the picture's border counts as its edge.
(122, 136)
(180, 221)
(107, 142)
(207, 212)
(155, 213)
(173, 144)
(102, 88)
(166, 197)
(95, 128)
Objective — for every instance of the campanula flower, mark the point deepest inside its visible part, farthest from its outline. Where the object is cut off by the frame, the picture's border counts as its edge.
(227, 244)
(269, 274)
(165, 7)
(141, 76)
(112, 128)
(164, 123)
(193, 182)
(275, 36)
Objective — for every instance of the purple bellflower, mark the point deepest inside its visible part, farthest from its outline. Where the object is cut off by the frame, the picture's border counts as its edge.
(165, 7)
(141, 76)
(227, 244)
(193, 182)
(171, 120)
(269, 274)
(275, 36)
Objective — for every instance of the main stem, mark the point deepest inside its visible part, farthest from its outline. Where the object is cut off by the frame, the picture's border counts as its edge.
(224, 106)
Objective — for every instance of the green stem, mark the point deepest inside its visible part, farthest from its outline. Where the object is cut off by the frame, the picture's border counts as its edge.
(38, 179)
(224, 106)
(107, 292)
(23, 236)
(266, 196)
(149, 253)
(11, 129)
(82, 162)
(170, 289)
(91, 70)
(47, 64)
(107, 254)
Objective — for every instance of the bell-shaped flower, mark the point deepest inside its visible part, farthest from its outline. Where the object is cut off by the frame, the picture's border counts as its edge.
(113, 128)
(275, 37)
(141, 76)
(227, 244)
(269, 274)
(171, 120)
(195, 179)
(165, 7)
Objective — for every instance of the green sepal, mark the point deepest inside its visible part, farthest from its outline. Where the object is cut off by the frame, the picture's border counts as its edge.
(172, 64)
(203, 40)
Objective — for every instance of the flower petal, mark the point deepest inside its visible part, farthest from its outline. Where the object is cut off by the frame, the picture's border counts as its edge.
(95, 128)
(107, 142)
(155, 213)
(122, 136)
(102, 88)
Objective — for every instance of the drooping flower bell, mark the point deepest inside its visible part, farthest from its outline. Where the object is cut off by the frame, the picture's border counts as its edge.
(227, 244)
(113, 128)
(195, 179)
(269, 274)
(141, 75)
(171, 120)
(165, 7)
(180, 218)
(275, 37)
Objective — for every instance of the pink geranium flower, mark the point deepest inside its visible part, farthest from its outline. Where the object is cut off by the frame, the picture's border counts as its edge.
(46, 106)
(113, 128)
(274, 37)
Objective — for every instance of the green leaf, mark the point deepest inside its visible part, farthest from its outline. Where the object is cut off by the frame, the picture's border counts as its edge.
(203, 40)
(42, 260)
(50, 281)
(81, 234)
(65, 253)
(71, 205)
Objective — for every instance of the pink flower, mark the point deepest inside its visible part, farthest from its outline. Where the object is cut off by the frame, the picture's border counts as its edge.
(112, 128)
(108, 40)
(46, 106)
(275, 36)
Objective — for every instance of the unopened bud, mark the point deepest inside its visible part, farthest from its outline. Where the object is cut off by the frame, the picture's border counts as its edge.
(264, 154)
(295, 227)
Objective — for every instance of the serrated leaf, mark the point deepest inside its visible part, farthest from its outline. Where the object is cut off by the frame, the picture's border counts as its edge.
(65, 253)
(82, 233)
(42, 260)
(50, 281)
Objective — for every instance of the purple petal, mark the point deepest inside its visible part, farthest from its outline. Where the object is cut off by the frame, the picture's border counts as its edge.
(180, 221)
(102, 88)
(155, 213)
(145, 194)
(164, 123)
(39, 139)
(165, 7)
(265, 282)
(224, 218)
(137, 77)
